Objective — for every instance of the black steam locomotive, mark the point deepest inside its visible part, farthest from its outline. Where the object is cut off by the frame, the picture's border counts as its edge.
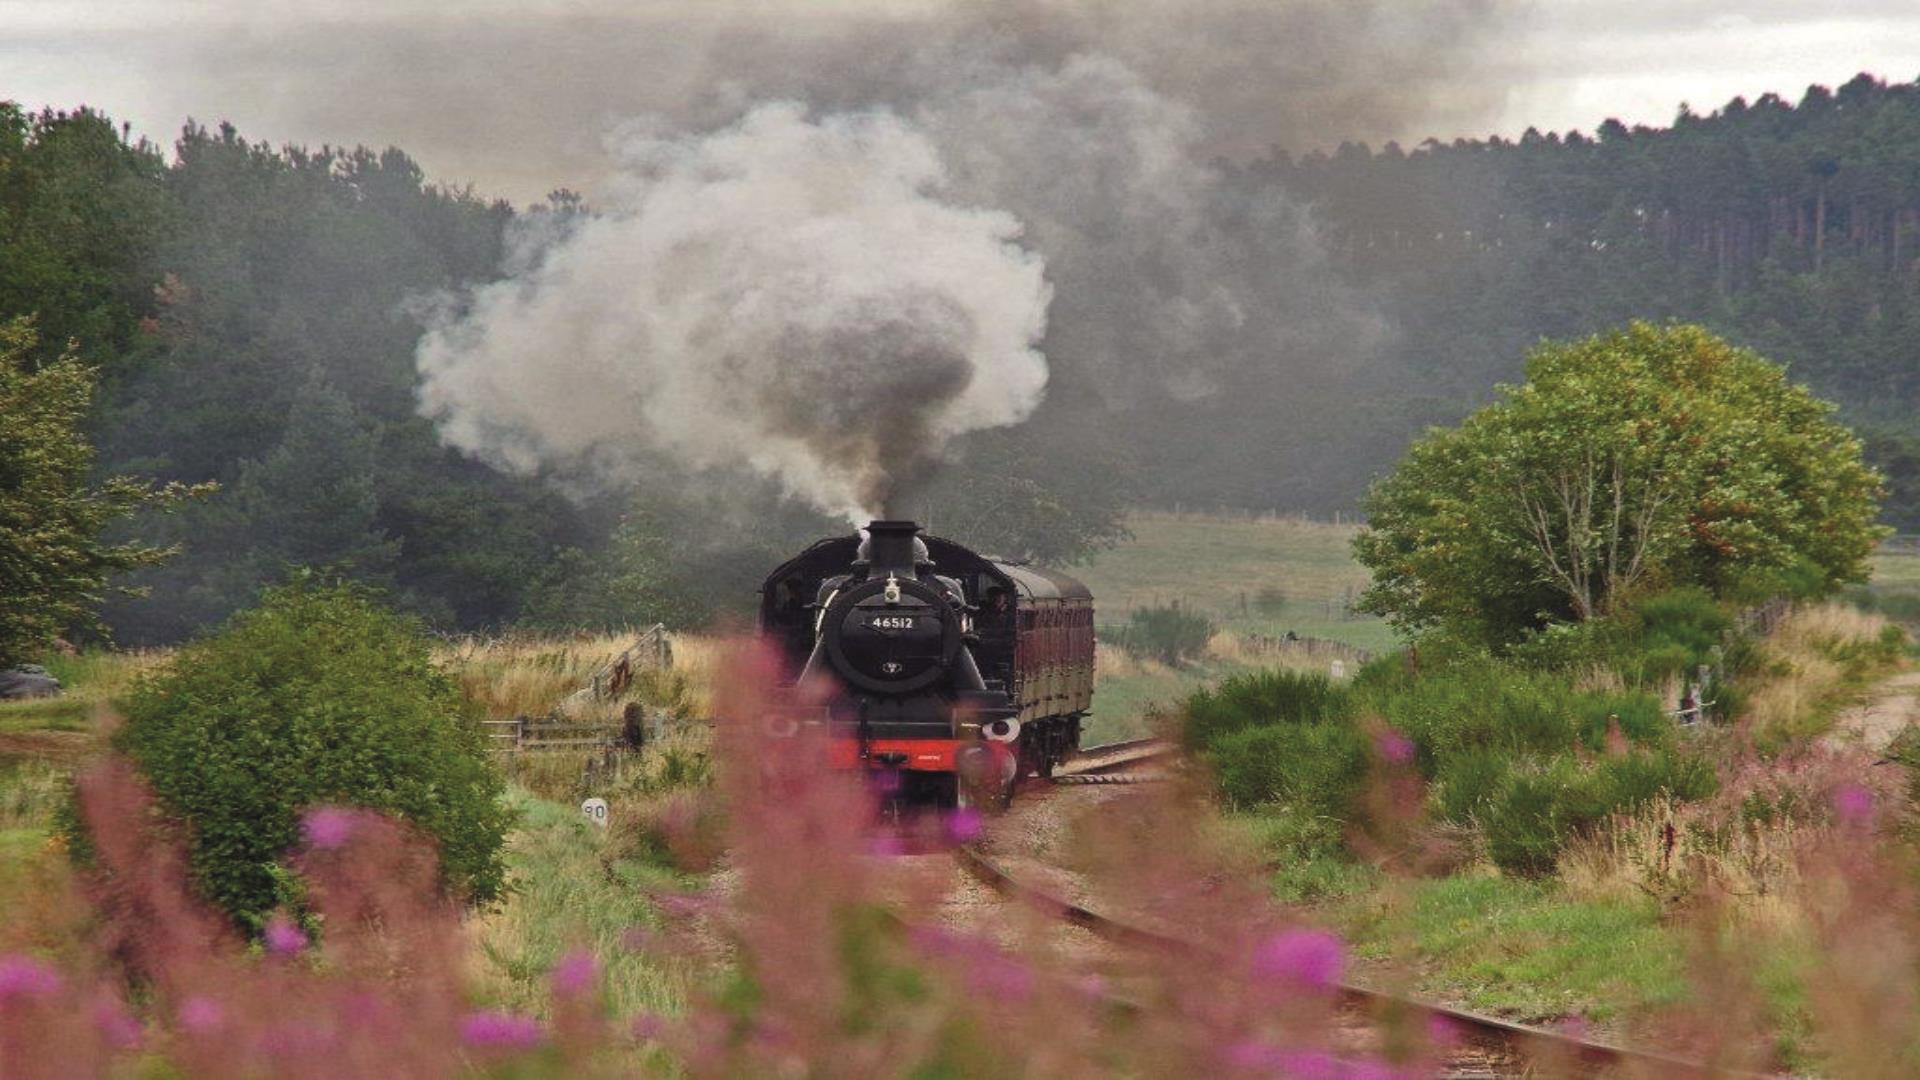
(913, 655)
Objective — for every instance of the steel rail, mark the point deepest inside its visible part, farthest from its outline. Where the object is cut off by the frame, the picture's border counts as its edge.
(1523, 1039)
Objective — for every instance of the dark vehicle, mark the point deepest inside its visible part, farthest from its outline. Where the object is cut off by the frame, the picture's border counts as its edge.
(914, 655)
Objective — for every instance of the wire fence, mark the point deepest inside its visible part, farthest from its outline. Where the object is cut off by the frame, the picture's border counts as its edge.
(563, 729)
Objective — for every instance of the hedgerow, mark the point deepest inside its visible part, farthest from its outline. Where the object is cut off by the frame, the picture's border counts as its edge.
(318, 696)
(1522, 754)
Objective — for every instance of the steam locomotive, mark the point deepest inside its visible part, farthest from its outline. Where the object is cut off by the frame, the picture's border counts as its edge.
(956, 674)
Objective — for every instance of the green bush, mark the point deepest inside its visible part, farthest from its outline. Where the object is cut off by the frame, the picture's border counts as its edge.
(1257, 698)
(317, 696)
(1171, 633)
(1487, 705)
(1647, 641)
(1311, 769)
(1538, 808)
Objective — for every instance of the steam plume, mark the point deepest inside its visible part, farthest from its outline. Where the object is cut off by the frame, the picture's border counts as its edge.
(800, 297)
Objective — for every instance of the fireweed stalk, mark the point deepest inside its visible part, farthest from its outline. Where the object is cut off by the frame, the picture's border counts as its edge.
(825, 976)
(822, 975)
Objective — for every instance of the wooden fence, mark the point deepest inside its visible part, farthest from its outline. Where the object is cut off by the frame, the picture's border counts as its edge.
(560, 730)
(1312, 648)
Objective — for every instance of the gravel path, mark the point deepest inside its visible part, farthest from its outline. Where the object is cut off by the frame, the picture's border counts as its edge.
(1894, 705)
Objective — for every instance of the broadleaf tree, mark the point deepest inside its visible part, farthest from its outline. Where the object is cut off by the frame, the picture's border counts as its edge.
(1647, 457)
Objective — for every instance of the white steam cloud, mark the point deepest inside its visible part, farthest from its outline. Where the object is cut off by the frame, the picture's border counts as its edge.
(803, 297)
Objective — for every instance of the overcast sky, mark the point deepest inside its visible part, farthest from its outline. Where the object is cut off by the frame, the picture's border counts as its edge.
(516, 95)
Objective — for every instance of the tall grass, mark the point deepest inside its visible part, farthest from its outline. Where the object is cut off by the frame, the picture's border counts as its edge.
(824, 979)
(1818, 660)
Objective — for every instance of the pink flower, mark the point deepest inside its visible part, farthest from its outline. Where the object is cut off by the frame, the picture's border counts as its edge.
(282, 937)
(499, 1031)
(297, 1040)
(649, 1027)
(328, 826)
(1253, 1055)
(118, 1028)
(200, 1015)
(887, 845)
(686, 905)
(1371, 1069)
(1308, 958)
(1001, 978)
(1309, 1065)
(23, 976)
(1853, 803)
(575, 973)
(964, 825)
(1394, 747)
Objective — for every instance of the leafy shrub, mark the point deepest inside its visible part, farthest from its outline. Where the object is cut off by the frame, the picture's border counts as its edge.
(1488, 705)
(1170, 633)
(1259, 698)
(317, 696)
(1510, 749)
(1315, 769)
(1652, 639)
(1538, 809)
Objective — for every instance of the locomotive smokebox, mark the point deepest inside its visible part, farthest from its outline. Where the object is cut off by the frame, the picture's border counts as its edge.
(893, 547)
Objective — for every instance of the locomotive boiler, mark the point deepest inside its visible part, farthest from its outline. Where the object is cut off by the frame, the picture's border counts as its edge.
(956, 674)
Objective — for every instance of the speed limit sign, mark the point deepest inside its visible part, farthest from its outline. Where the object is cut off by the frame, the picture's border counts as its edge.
(596, 811)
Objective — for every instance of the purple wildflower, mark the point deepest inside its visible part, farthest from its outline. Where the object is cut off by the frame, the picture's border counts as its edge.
(200, 1015)
(282, 937)
(499, 1031)
(117, 1027)
(685, 905)
(1001, 978)
(1372, 1069)
(1309, 958)
(1394, 747)
(328, 826)
(1853, 803)
(1309, 1065)
(23, 976)
(1252, 1055)
(964, 825)
(297, 1040)
(575, 973)
(649, 1027)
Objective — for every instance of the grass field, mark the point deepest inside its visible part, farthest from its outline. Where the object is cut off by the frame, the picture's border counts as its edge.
(1896, 570)
(1220, 565)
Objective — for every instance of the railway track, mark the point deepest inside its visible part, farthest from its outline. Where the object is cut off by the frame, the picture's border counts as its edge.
(1102, 764)
(1493, 1046)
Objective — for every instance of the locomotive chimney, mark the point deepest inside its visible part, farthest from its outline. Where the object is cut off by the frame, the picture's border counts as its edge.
(891, 548)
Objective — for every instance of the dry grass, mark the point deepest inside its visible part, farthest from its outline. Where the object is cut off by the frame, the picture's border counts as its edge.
(525, 675)
(1817, 660)
(1742, 848)
(1228, 647)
